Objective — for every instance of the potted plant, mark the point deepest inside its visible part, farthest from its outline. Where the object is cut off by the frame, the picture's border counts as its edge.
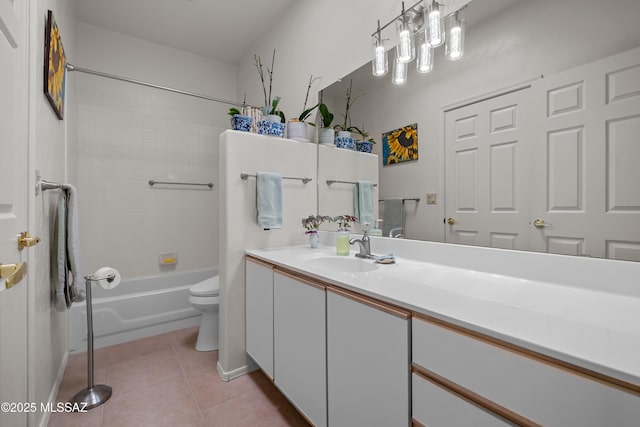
(326, 132)
(273, 119)
(342, 236)
(364, 144)
(343, 138)
(297, 128)
(311, 225)
(240, 121)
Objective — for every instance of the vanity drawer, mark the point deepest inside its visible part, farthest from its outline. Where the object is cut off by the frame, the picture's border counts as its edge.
(520, 381)
(434, 406)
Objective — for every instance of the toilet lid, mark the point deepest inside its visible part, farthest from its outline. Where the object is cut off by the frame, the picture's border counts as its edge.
(208, 287)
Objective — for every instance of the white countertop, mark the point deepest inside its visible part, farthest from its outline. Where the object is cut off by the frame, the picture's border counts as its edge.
(592, 329)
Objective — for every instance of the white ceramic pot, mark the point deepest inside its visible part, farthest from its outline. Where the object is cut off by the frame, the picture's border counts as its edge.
(297, 130)
(326, 136)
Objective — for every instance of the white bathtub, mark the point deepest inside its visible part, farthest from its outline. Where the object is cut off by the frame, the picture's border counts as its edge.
(137, 308)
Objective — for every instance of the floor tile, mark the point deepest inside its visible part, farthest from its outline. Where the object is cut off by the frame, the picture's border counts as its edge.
(143, 372)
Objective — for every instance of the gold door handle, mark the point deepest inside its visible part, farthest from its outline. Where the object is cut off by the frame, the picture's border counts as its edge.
(13, 273)
(539, 223)
(451, 221)
(25, 240)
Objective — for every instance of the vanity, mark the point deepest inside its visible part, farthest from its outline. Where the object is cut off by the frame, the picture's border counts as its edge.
(447, 336)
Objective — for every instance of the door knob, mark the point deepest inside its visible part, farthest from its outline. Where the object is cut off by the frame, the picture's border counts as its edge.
(539, 223)
(25, 240)
(451, 221)
(13, 273)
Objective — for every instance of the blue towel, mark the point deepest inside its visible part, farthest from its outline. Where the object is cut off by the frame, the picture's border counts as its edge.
(363, 202)
(269, 200)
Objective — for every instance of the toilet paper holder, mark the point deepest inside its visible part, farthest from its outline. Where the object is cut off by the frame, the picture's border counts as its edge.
(92, 395)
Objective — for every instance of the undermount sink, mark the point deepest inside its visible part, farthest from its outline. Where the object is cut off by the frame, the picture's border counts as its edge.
(342, 264)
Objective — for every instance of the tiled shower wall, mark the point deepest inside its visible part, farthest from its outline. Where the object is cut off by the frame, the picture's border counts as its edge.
(125, 222)
(129, 134)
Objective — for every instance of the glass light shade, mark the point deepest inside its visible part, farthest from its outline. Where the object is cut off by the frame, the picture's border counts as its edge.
(399, 72)
(455, 38)
(435, 33)
(424, 53)
(405, 51)
(380, 61)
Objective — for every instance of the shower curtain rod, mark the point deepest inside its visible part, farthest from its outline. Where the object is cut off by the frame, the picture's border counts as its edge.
(71, 67)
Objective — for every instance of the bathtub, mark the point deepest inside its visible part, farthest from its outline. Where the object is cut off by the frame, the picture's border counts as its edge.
(137, 308)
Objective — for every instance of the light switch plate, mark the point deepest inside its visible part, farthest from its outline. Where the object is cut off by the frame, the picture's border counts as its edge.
(432, 198)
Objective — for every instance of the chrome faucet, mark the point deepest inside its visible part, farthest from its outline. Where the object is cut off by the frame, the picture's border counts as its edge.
(365, 245)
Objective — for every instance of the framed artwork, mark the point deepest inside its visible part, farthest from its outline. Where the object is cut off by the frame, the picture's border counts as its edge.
(400, 145)
(55, 66)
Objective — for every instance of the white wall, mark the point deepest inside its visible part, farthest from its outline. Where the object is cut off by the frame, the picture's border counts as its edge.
(49, 140)
(129, 134)
(522, 40)
(246, 152)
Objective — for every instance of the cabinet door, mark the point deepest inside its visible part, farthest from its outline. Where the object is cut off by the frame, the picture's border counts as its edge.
(300, 344)
(259, 313)
(367, 362)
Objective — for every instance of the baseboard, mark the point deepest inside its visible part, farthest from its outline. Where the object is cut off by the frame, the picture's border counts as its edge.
(54, 391)
(230, 375)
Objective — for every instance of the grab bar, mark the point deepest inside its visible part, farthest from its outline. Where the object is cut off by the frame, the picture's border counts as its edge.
(153, 182)
(245, 176)
(407, 199)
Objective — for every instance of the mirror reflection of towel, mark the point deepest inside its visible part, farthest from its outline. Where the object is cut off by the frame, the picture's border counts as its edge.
(269, 200)
(363, 202)
(392, 217)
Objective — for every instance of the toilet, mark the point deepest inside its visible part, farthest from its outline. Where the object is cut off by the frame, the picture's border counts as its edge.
(204, 296)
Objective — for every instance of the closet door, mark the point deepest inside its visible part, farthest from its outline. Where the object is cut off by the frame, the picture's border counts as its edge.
(487, 151)
(587, 160)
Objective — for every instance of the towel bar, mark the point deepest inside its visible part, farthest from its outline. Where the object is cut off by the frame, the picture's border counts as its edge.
(407, 199)
(335, 181)
(245, 176)
(153, 182)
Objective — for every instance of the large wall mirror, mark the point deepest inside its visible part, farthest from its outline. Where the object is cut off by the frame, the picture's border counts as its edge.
(531, 141)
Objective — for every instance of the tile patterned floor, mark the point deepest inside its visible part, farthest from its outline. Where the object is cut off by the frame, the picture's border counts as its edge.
(162, 381)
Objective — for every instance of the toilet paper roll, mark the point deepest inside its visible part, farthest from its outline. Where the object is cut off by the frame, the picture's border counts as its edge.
(105, 272)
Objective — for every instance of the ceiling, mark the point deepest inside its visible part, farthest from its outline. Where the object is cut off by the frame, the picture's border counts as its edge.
(222, 30)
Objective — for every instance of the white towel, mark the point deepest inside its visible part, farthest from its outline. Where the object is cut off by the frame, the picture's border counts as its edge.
(363, 202)
(269, 200)
(66, 266)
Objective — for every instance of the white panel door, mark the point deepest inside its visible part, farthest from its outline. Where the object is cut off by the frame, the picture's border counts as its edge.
(259, 313)
(587, 160)
(13, 205)
(486, 155)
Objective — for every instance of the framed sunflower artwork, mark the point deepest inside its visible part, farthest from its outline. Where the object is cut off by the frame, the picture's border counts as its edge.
(400, 145)
(55, 66)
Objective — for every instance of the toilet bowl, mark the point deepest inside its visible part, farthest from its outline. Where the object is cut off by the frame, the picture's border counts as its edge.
(204, 296)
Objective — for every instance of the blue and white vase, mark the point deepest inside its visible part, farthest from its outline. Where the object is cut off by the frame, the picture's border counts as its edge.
(364, 146)
(240, 122)
(266, 127)
(344, 140)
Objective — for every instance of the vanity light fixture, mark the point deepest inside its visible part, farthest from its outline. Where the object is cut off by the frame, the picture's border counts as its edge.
(399, 71)
(420, 29)
(380, 62)
(405, 51)
(435, 35)
(455, 37)
(424, 64)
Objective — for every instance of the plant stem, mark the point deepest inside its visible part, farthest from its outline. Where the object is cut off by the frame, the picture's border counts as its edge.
(258, 63)
(270, 71)
(306, 98)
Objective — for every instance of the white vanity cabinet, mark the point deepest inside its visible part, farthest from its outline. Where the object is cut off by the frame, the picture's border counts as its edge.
(259, 313)
(521, 386)
(368, 361)
(299, 344)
